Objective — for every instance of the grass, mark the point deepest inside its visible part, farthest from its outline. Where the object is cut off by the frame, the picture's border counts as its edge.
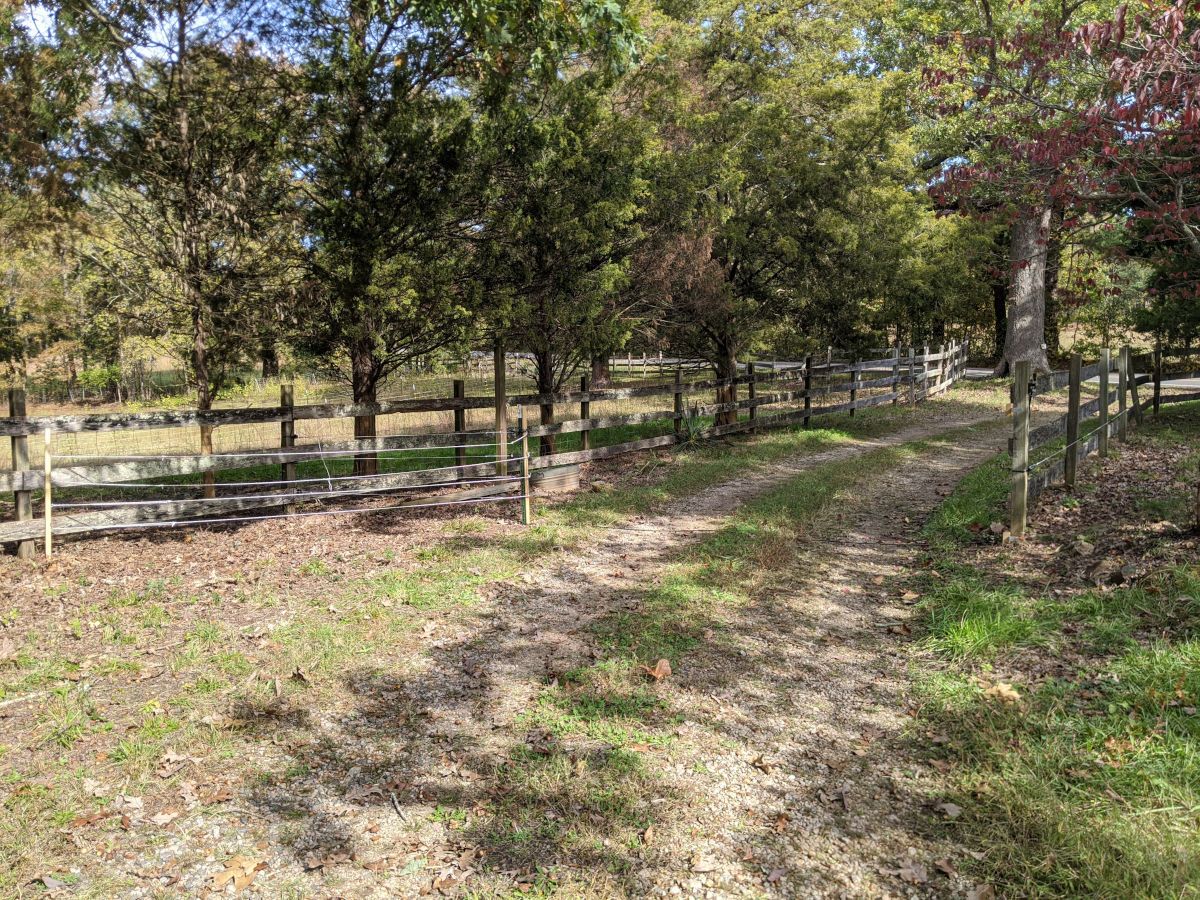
(578, 791)
(978, 500)
(1089, 785)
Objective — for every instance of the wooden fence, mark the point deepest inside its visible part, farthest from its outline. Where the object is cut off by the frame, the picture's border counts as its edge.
(1059, 465)
(782, 395)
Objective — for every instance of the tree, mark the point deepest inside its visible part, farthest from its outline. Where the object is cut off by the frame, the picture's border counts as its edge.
(189, 164)
(392, 90)
(780, 164)
(560, 224)
(989, 75)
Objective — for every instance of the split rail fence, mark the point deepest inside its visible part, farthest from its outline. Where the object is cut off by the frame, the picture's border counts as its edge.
(1099, 423)
(88, 493)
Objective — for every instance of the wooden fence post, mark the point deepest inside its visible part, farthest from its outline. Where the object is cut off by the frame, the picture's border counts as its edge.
(912, 376)
(47, 492)
(1105, 365)
(1122, 387)
(585, 412)
(1157, 377)
(526, 506)
(1132, 381)
(500, 375)
(925, 372)
(896, 378)
(1073, 392)
(22, 500)
(854, 379)
(678, 420)
(1018, 494)
(460, 425)
(287, 436)
(751, 393)
(808, 363)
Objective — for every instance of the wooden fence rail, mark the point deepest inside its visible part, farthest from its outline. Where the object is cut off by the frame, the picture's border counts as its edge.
(777, 394)
(1029, 479)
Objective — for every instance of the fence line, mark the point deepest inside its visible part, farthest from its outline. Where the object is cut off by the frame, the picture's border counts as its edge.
(785, 393)
(1028, 480)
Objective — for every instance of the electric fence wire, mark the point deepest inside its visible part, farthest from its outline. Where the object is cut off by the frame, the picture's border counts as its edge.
(289, 495)
(272, 454)
(227, 520)
(1057, 455)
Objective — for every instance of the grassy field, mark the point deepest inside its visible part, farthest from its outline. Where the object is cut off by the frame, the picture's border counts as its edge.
(171, 676)
(1064, 705)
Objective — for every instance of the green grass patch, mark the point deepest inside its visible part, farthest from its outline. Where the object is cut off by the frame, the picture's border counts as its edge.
(1090, 784)
(976, 501)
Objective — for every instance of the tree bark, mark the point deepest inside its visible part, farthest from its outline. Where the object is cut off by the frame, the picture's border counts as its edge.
(1025, 339)
(204, 394)
(1054, 250)
(601, 376)
(545, 382)
(269, 357)
(727, 371)
(1000, 311)
(364, 382)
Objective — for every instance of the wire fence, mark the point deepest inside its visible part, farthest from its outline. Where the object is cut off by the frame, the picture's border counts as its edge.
(135, 471)
(459, 485)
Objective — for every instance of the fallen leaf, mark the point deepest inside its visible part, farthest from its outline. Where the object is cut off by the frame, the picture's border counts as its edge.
(701, 863)
(187, 793)
(945, 867)
(50, 883)
(982, 892)
(775, 875)
(1003, 692)
(661, 669)
(164, 818)
(951, 810)
(94, 787)
(363, 793)
(89, 819)
(910, 596)
(217, 795)
(172, 762)
(781, 823)
(240, 870)
(648, 834)
(761, 764)
(913, 872)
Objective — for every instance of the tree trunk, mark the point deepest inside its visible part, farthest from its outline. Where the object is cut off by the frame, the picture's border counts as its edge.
(1000, 311)
(269, 357)
(546, 385)
(601, 376)
(727, 371)
(1054, 250)
(204, 394)
(1027, 291)
(364, 382)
